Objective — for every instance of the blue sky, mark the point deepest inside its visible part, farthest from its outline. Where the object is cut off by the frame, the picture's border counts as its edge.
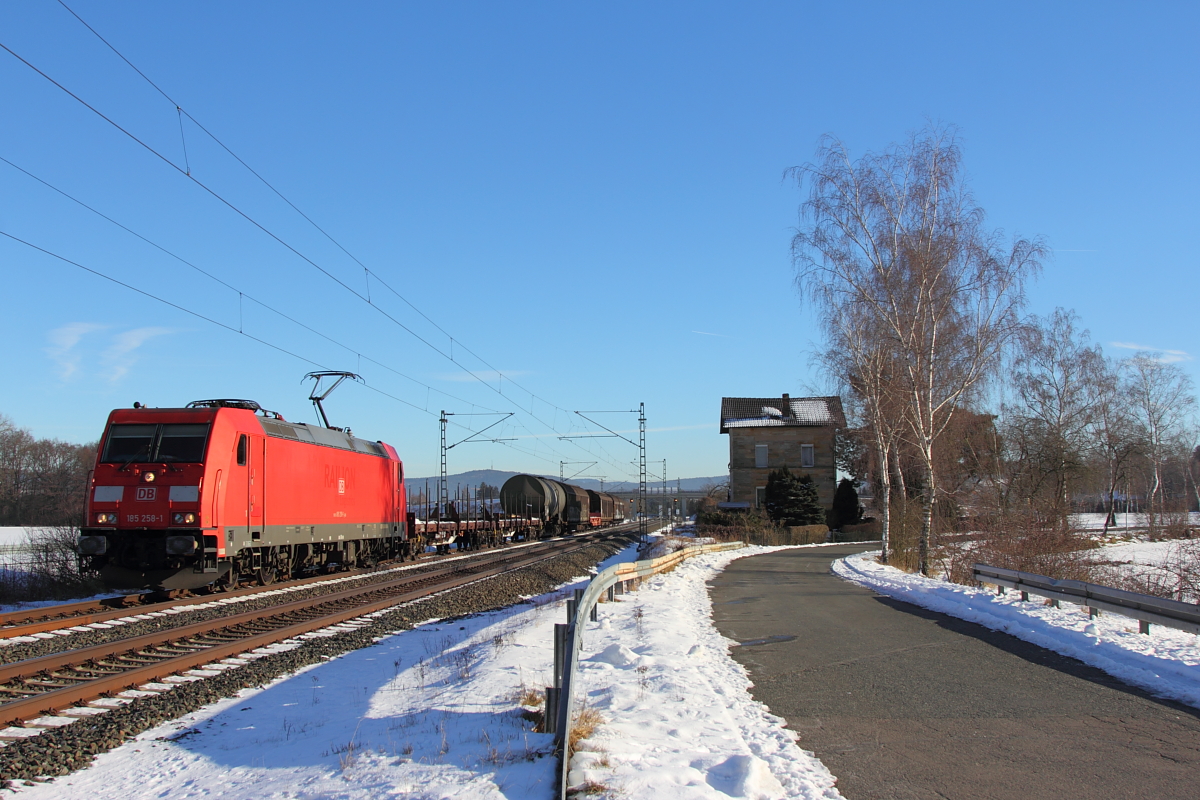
(588, 198)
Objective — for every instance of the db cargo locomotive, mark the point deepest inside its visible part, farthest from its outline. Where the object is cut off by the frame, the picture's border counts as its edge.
(561, 507)
(223, 490)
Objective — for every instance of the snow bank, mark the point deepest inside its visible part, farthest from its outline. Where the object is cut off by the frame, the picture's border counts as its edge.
(1166, 663)
(679, 721)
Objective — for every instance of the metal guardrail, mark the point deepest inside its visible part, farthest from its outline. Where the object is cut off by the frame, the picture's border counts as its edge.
(568, 638)
(1147, 609)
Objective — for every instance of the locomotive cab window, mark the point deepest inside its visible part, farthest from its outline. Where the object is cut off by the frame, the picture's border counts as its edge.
(182, 443)
(129, 443)
(241, 450)
(147, 444)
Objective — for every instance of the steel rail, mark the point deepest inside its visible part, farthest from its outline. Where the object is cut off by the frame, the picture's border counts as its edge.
(27, 622)
(199, 653)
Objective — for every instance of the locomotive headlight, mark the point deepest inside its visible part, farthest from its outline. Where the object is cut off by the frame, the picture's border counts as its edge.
(92, 545)
(149, 477)
(183, 518)
(106, 519)
(181, 545)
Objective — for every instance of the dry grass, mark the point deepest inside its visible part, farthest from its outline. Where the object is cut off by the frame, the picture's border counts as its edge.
(533, 707)
(529, 697)
(589, 789)
(583, 726)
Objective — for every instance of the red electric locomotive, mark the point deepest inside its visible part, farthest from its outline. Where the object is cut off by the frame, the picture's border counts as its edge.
(222, 491)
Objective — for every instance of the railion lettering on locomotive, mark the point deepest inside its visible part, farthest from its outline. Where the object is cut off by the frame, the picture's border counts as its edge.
(340, 478)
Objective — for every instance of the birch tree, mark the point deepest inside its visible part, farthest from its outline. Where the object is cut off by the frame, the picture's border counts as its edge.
(1162, 401)
(861, 361)
(897, 237)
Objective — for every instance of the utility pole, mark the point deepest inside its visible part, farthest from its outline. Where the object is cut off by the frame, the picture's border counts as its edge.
(443, 493)
(642, 523)
(641, 446)
(443, 499)
(664, 489)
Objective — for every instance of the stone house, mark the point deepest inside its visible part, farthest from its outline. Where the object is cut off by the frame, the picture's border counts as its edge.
(767, 433)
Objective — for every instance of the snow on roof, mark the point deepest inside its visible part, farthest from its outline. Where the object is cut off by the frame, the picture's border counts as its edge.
(771, 412)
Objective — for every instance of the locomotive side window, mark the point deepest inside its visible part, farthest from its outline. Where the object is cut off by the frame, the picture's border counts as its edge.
(183, 443)
(241, 451)
(129, 443)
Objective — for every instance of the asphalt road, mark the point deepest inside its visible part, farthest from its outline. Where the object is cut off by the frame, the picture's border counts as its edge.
(900, 702)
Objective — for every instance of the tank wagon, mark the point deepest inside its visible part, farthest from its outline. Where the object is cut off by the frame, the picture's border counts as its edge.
(558, 507)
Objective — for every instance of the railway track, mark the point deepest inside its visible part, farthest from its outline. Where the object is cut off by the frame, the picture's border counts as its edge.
(97, 614)
(55, 690)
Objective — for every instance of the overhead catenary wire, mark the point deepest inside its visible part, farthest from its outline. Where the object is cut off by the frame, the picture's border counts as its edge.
(185, 171)
(230, 328)
(241, 294)
(500, 375)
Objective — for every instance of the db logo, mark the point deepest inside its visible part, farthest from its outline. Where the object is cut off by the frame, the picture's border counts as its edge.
(341, 485)
(147, 492)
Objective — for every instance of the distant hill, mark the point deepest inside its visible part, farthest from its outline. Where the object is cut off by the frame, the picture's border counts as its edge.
(495, 477)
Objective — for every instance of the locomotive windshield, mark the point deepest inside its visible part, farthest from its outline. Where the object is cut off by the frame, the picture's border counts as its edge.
(182, 443)
(155, 444)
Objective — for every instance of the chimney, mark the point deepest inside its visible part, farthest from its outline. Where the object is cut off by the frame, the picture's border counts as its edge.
(787, 405)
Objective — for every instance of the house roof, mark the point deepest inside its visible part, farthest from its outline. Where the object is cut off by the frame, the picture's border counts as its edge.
(778, 412)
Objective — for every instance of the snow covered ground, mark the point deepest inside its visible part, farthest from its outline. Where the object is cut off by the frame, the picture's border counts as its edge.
(10, 535)
(1166, 663)
(679, 720)
(435, 713)
(1124, 522)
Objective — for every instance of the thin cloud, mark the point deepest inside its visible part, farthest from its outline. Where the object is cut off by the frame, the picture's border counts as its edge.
(488, 375)
(605, 434)
(706, 333)
(122, 353)
(1067, 250)
(63, 345)
(1159, 354)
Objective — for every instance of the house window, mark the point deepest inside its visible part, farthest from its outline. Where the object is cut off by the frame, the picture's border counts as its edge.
(807, 459)
(760, 456)
(760, 496)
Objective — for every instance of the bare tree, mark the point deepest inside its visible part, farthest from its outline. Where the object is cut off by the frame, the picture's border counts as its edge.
(1193, 467)
(1058, 378)
(861, 361)
(898, 238)
(42, 481)
(1162, 400)
(1116, 444)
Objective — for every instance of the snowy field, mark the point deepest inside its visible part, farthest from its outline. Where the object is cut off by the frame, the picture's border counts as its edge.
(1124, 522)
(10, 536)
(1165, 663)
(435, 713)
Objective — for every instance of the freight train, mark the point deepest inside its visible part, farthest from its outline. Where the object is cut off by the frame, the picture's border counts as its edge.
(560, 506)
(223, 491)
